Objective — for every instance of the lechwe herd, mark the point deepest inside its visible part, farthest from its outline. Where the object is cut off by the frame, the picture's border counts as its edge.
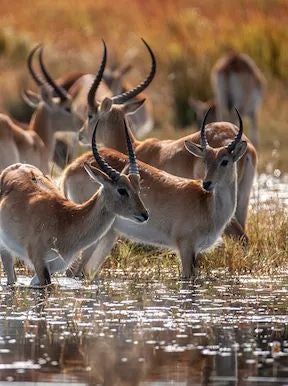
(157, 200)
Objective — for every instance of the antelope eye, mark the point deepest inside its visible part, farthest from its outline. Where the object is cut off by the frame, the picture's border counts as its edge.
(123, 192)
(224, 162)
(68, 109)
(90, 116)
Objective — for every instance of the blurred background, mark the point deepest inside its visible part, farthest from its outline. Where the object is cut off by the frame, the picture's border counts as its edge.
(187, 36)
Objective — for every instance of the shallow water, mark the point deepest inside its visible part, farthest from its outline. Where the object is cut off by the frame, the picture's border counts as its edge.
(217, 331)
(270, 187)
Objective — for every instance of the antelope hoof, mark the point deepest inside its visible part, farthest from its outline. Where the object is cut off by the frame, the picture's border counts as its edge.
(35, 282)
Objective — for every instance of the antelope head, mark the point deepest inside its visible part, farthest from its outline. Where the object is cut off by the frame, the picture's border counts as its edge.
(220, 162)
(110, 110)
(121, 190)
(56, 99)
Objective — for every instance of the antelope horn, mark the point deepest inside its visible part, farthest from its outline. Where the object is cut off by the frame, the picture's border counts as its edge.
(133, 167)
(98, 78)
(38, 80)
(238, 136)
(106, 168)
(124, 97)
(203, 139)
(61, 93)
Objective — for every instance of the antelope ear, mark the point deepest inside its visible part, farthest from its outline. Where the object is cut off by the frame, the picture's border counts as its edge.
(106, 105)
(239, 151)
(132, 107)
(194, 149)
(31, 98)
(96, 174)
(46, 96)
(125, 170)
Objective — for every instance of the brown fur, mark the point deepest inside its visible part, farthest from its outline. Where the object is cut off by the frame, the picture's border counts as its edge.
(28, 146)
(42, 226)
(171, 155)
(238, 82)
(183, 215)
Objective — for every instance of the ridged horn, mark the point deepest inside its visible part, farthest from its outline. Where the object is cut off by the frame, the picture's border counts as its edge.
(60, 92)
(133, 167)
(106, 168)
(37, 79)
(238, 136)
(98, 78)
(124, 97)
(203, 139)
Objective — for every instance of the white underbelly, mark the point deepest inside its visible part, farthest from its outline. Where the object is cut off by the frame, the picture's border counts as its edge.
(17, 249)
(144, 233)
(12, 244)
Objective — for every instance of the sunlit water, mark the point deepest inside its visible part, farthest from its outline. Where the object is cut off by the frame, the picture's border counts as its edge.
(268, 187)
(217, 331)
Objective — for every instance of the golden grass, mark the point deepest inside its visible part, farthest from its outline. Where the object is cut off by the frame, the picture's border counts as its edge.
(266, 253)
(187, 37)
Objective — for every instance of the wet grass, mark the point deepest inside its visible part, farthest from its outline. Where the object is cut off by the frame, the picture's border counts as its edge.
(266, 253)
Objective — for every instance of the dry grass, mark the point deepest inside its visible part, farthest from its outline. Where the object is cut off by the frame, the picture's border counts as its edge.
(266, 253)
(187, 37)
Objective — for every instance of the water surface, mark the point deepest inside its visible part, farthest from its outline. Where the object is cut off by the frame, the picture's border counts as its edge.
(221, 330)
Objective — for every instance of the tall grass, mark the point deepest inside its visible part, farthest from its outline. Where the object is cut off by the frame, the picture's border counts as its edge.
(188, 36)
(266, 252)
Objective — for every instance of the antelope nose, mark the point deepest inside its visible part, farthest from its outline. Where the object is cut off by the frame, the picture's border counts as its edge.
(142, 217)
(145, 216)
(207, 185)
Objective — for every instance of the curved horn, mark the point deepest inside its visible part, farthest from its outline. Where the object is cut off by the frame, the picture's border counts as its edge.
(133, 167)
(124, 97)
(203, 139)
(98, 78)
(112, 173)
(37, 79)
(238, 136)
(61, 93)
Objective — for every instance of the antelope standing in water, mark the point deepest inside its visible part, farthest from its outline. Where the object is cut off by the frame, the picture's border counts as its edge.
(168, 155)
(46, 230)
(185, 215)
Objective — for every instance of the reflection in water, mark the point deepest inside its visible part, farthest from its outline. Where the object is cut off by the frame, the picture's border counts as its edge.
(221, 331)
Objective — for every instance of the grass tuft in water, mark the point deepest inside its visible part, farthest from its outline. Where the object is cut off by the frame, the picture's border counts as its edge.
(266, 253)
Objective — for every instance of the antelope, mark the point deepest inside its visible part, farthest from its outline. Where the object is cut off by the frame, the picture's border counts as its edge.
(73, 90)
(52, 114)
(20, 145)
(81, 90)
(185, 215)
(237, 81)
(168, 155)
(47, 230)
